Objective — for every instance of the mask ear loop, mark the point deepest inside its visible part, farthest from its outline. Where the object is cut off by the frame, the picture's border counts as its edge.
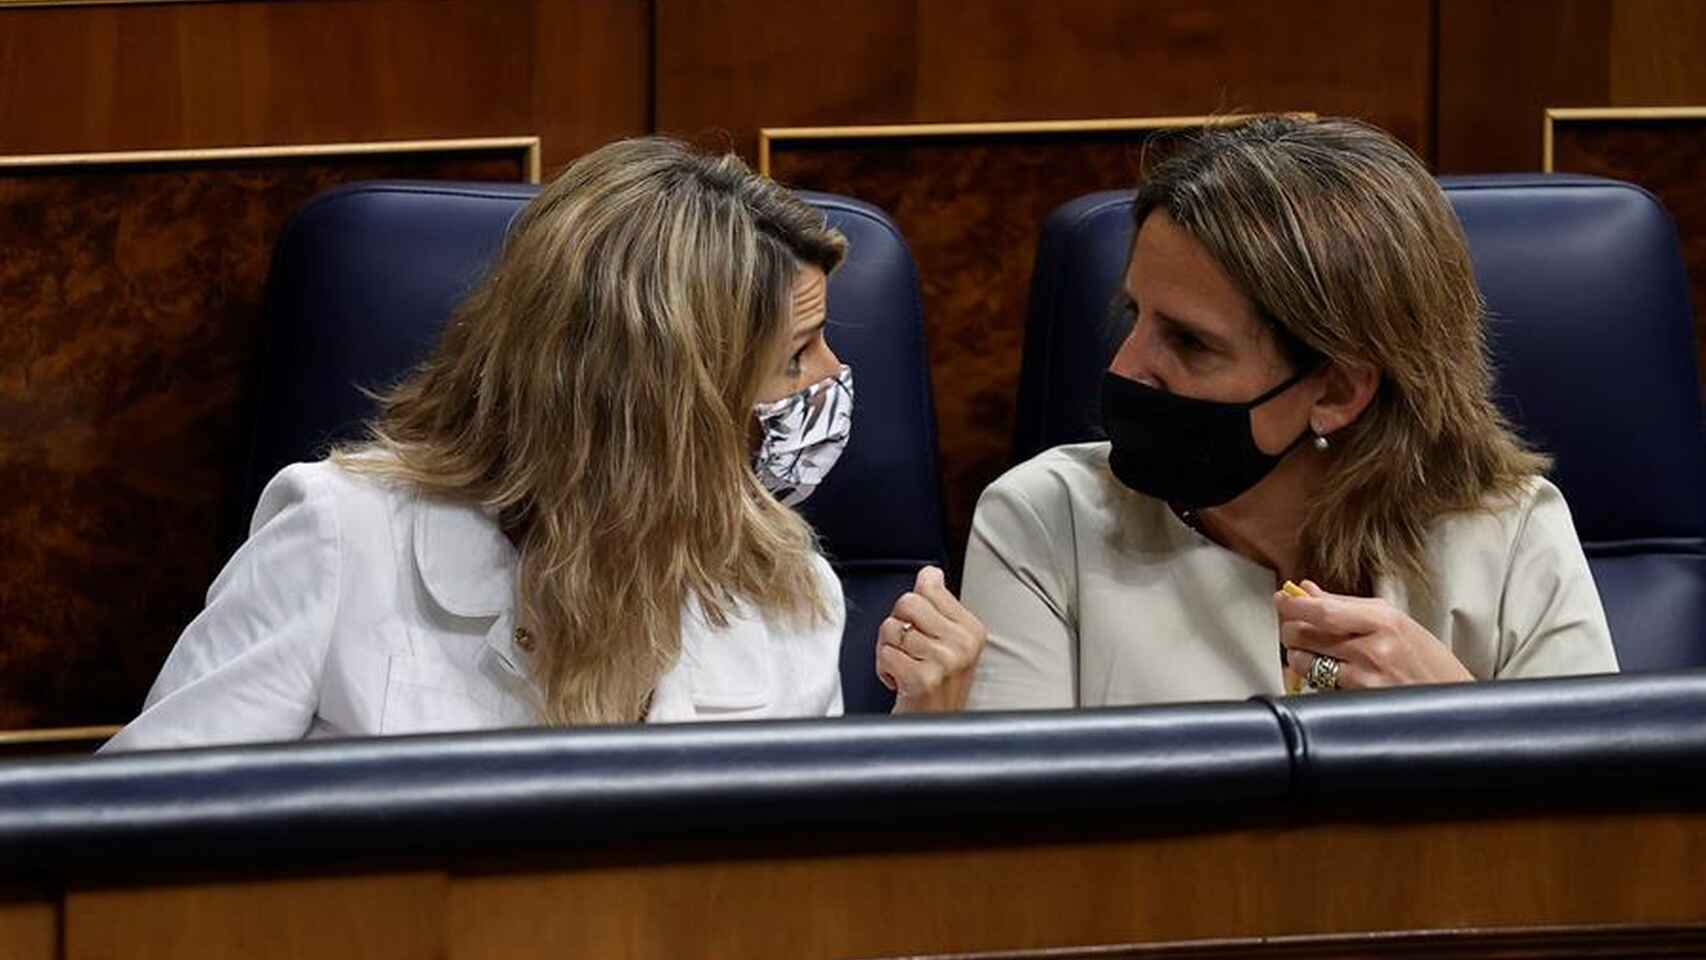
(1320, 442)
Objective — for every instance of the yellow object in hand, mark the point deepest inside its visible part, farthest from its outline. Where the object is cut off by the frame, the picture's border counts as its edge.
(1293, 683)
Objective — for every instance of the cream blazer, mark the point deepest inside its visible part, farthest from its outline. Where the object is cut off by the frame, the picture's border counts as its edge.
(1095, 595)
(356, 608)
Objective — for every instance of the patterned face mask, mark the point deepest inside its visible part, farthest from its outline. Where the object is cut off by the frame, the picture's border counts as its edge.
(803, 436)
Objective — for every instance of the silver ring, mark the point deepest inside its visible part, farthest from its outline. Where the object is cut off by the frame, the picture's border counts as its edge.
(1324, 672)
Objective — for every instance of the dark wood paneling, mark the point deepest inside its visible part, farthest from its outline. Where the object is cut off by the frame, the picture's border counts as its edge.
(1554, 943)
(1658, 53)
(1306, 878)
(737, 68)
(1502, 64)
(75, 79)
(29, 929)
(1665, 156)
(804, 897)
(368, 916)
(132, 303)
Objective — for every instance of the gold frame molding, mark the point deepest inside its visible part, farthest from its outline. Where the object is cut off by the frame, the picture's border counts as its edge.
(90, 3)
(770, 135)
(530, 145)
(19, 742)
(16, 742)
(1555, 114)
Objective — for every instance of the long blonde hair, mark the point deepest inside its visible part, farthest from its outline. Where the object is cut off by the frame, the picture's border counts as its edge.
(1351, 252)
(595, 393)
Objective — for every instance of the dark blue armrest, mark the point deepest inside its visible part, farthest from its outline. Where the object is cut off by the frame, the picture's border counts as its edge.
(547, 791)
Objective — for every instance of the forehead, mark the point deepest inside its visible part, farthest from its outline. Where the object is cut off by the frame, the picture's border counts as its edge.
(810, 296)
(1171, 272)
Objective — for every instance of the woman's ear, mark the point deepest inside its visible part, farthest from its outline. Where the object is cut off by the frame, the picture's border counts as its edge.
(1347, 390)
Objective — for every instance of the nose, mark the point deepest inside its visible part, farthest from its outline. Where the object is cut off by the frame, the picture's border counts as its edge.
(1135, 359)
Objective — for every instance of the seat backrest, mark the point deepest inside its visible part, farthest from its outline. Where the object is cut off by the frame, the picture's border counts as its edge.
(366, 275)
(1592, 342)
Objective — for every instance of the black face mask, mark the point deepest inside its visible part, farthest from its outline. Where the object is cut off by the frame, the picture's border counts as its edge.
(1190, 453)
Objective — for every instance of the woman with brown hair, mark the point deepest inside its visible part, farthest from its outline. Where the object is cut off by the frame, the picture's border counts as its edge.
(576, 511)
(1303, 396)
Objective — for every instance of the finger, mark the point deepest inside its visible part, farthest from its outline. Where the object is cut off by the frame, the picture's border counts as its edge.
(1351, 675)
(951, 656)
(932, 584)
(912, 677)
(893, 633)
(923, 615)
(1372, 604)
(889, 663)
(1348, 616)
(1297, 635)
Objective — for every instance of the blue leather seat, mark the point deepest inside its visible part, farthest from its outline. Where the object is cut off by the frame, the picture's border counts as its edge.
(365, 276)
(1592, 339)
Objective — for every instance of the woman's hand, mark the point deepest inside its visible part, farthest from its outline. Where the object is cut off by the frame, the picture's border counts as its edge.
(928, 647)
(1377, 644)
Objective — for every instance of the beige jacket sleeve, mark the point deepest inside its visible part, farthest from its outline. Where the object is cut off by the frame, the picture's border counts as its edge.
(1019, 580)
(1552, 621)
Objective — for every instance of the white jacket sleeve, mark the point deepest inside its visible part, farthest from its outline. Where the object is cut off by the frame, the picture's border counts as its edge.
(248, 667)
(1015, 582)
(1552, 620)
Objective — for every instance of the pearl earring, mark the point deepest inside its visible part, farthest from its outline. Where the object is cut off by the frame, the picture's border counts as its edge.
(1321, 442)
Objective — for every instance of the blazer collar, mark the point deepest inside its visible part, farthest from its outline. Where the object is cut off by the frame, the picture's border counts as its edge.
(465, 560)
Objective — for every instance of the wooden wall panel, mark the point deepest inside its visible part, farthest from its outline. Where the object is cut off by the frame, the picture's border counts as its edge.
(29, 929)
(398, 915)
(735, 69)
(1501, 65)
(1299, 879)
(161, 76)
(132, 300)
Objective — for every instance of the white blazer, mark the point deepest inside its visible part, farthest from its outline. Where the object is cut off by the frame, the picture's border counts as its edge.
(357, 608)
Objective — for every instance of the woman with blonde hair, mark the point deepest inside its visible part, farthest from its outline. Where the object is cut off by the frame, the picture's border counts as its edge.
(577, 510)
(1304, 395)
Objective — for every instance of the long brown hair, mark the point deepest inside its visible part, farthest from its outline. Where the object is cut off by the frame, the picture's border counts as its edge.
(595, 394)
(1350, 251)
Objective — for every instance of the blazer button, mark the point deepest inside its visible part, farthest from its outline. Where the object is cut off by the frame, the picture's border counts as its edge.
(523, 639)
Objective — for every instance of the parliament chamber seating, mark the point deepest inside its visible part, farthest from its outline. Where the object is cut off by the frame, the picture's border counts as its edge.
(1593, 349)
(1531, 818)
(366, 275)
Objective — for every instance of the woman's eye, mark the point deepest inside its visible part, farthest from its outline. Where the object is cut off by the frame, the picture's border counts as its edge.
(1184, 341)
(795, 361)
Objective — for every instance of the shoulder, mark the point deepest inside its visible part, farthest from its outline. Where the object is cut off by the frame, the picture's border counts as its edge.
(1055, 483)
(1057, 473)
(323, 486)
(1534, 513)
(1068, 491)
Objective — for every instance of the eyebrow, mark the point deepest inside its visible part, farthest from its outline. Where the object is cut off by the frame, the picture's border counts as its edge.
(1212, 339)
(811, 331)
